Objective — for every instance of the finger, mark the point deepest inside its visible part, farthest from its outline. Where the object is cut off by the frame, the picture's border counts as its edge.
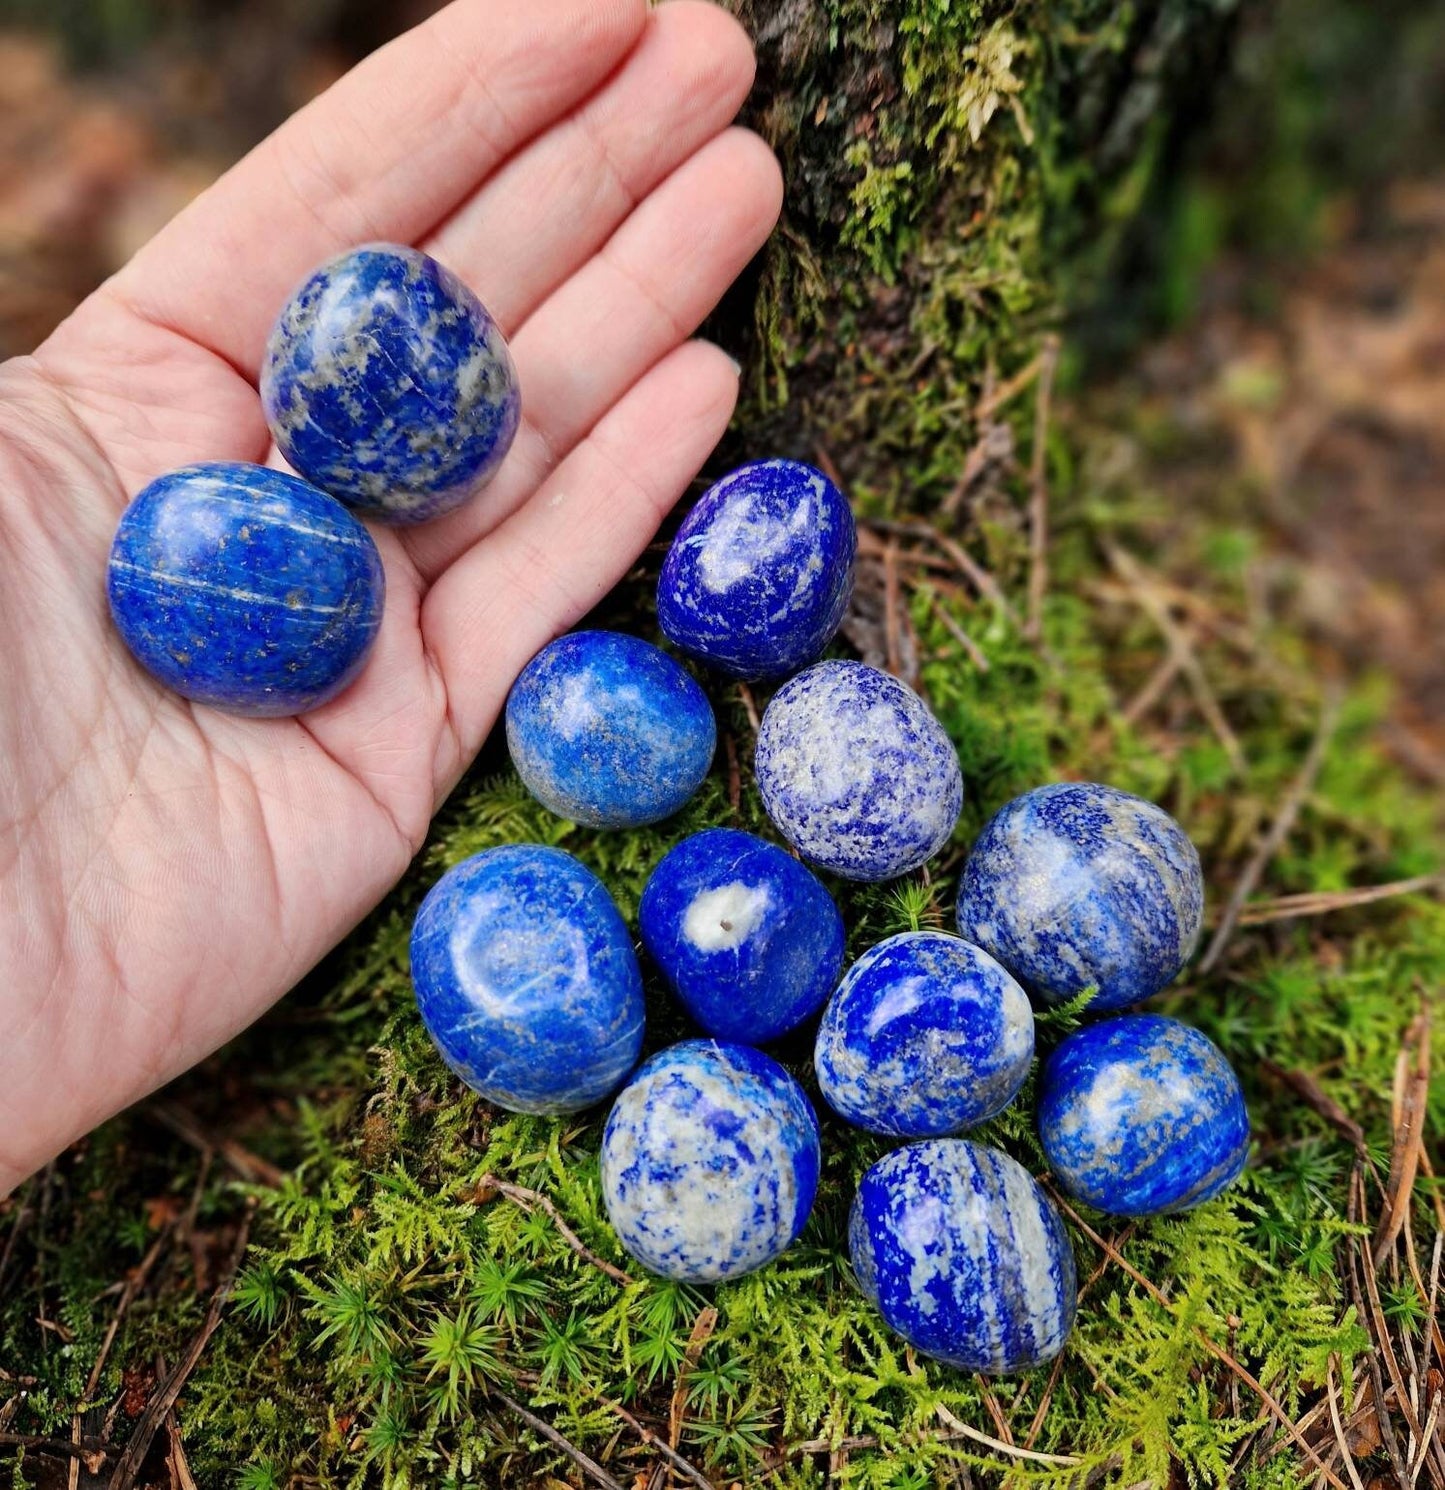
(553, 204)
(386, 153)
(554, 559)
(647, 290)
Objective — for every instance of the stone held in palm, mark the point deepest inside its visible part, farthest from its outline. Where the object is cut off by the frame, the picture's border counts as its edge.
(245, 588)
(387, 383)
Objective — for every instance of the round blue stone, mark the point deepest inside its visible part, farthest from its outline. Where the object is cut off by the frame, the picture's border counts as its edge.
(1079, 886)
(758, 578)
(608, 731)
(526, 979)
(1141, 1114)
(709, 1162)
(927, 1035)
(245, 588)
(856, 773)
(750, 941)
(964, 1256)
(386, 383)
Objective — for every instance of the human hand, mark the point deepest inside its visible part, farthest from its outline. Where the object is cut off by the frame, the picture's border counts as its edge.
(167, 871)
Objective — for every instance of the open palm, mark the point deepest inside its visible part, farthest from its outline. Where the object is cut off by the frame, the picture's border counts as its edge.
(167, 871)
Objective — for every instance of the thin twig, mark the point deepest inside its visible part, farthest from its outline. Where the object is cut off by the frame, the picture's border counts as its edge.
(1324, 902)
(1153, 690)
(590, 1467)
(1314, 1096)
(520, 1195)
(972, 571)
(1346, 1457)
(1009, 1450)
(959, 634)
(251, 1168)
(892, 638)
(1007, 391)
(1217, 1351)
(735, 779)
(165, 1399)
(1039, 490)
(667, 1451)
(176, 1457)
(1279, 831)
(92, 1455)
(750, 707)
(1412, 1090)
(702, 1328)
(1147, 595)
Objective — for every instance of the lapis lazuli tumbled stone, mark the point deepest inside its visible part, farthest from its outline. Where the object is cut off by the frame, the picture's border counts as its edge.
(856, 773)
(964, 1256)
(749, 940)
(387, 384)
(607, 730)
(1140, 1115)
(527, 981)
(758, 578)
(927, 1035)
(245, 588)
(710, 1161)
(1077, 885)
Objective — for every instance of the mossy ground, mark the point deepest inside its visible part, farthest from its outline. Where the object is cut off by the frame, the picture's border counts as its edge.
(391, 1295)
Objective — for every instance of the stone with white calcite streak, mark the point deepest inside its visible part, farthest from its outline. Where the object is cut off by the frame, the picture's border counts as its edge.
(1142, 1115)
(855, 771)
(927, 1035)
(1077, 885)
(758, 578)
(964, 1256)
(710, 1162)
(747, 937)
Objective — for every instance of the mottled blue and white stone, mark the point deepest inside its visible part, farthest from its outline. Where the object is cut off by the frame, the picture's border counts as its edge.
(964, 1256)
(749, 939)
(927, 1035)
(856, 773)
(709, 1162)
(1140, 1115)
(1076, 886)
(245, 588)
(527, 981)
(387, 384)
(607, 730)
(758, 579)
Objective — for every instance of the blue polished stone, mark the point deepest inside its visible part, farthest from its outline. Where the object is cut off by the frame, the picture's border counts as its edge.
(856, 773)
(758, 578)
(748, 938)
(709, 1162)
(245, 588)
(964, 1256)
(1076, 886)
(526, 979)
(927, 1035)
(386, 383)
(608, 731)
(1140, 1115)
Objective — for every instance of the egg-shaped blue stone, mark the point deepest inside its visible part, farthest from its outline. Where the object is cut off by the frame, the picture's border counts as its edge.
(1140, 1115)
(927, 1035)
(526, 979)
(856, 773)
(387, 384)
(245, 588)
(758, 578)
(749, 940)
(964, 1256)
(607, 730)
(710, 1162)
(1076, 886)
